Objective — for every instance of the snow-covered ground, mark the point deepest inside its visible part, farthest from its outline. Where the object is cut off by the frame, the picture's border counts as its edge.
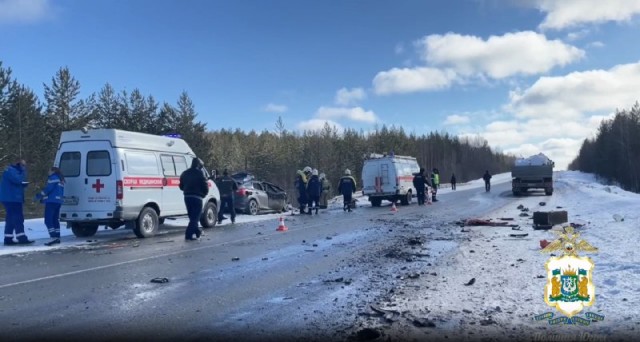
(493, 258)
(509, 272)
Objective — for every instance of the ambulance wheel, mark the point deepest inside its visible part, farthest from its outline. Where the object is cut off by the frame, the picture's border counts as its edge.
(376, 202)
(147, 223)
(209, 215)
(406, 199)
(84, 230)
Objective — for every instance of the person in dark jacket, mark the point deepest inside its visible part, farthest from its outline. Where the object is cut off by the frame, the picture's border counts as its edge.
(314, 190)
(453, 181)
(14, 180)
(195, 188)
(347, 187)
(420, 183)
(52, 196)
(487, 180)
(227, 187)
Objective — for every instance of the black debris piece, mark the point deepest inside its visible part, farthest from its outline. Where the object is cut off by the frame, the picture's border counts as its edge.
(160, 280)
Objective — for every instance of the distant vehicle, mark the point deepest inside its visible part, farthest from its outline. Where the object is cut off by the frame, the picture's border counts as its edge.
(535, 172)
(254, 196)
(115, 177)
(389, 177)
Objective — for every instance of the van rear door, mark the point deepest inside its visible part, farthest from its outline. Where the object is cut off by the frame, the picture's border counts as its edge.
(90, 180)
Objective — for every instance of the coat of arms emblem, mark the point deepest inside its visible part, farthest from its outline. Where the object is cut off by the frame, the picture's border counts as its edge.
(569, 285)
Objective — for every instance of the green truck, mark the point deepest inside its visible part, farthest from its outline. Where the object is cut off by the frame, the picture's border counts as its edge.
(535, 172)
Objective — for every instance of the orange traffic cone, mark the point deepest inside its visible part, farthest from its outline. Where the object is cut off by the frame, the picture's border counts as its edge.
(393, 207)
(281, 226)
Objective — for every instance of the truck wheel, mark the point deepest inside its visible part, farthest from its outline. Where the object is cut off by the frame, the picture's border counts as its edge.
(548, 192)
(147, 223)
(516, 193)
(84, 229)
(209, 215)
(405, 200)
(375, 202)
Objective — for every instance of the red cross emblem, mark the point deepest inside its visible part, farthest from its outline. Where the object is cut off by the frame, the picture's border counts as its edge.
(97, 186)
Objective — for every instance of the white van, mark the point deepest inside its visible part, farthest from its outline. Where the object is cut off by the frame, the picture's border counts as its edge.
(115, 177)
(389, 177)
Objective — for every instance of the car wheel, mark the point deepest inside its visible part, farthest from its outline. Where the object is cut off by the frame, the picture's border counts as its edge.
(84, 230)
(252, 207)
(209, 215)
(147, 223)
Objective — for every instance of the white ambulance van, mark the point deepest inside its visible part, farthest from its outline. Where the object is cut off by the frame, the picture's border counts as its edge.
(389, 177)
(115, 177)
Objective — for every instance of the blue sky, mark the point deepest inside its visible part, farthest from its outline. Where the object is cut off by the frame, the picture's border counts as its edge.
(529, 76)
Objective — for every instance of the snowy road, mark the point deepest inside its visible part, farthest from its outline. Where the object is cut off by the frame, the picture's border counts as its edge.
(245, 281)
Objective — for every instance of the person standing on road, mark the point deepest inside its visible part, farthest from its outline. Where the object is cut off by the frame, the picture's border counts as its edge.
(301, 186)
(227, 187)
(453, 181)
(193, 184)
(487, 180)
(420, 183)
(326, 189)
(435, 182)
(14, 180)
(314, 190)
(52, 196)
(347, 188)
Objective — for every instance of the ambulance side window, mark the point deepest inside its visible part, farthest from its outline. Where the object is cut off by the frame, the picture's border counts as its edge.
(142, 164)
(167, 165)
(70, 164)
(181, 164)
(98, 163)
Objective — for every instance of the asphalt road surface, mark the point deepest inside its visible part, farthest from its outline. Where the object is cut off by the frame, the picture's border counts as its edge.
(242, 282)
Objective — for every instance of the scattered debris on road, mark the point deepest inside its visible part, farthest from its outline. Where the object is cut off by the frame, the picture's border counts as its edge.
(160, 280)
(471, 282)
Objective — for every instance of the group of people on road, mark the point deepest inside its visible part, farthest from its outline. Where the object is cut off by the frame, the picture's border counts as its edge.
(313, 190)
(12, 188)
(422, 184)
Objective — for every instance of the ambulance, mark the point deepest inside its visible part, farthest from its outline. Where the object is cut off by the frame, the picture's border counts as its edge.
(389, 177)
(115, 177)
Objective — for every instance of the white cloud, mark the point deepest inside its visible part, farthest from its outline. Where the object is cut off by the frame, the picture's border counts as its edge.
(345, 97)
(596, 44)
(564, 98)
(275, 108)
(577, 34)
(24, 11)
(559, 140)
(563, 14)
(318, 124)
(409, 80)
(525, 53)
(355, 114)
(457, 120)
